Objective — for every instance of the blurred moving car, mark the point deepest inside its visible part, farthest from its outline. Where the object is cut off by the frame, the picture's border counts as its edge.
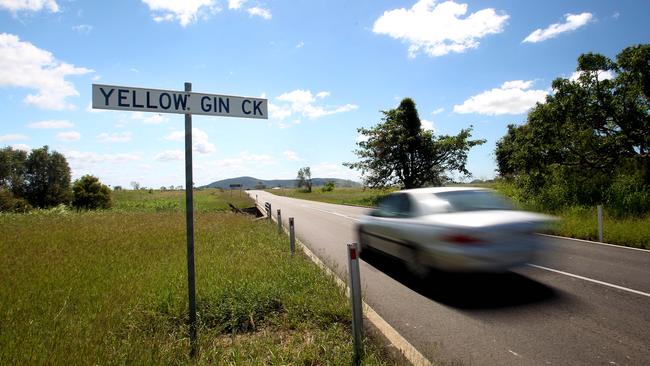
(459, 229)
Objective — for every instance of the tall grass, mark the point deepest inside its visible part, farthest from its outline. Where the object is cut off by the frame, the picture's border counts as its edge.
(110, 287)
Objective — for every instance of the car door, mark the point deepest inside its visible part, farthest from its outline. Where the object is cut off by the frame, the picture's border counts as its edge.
(390, 224)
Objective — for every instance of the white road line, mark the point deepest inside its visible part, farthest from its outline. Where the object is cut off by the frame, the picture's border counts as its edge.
(331, 212)
(595, 242)
(592, 280)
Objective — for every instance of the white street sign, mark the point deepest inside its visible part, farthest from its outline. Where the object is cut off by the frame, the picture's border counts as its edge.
(128, 98)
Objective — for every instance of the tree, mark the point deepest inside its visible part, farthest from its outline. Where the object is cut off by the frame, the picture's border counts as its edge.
(135, 185)
(589, 134)
(328, 187)
(47, 178)
(89, 193)
(304, 178)
(398, 151)
(12, 171)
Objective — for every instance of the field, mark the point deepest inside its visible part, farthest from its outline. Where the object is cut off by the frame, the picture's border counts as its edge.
(110, 287)
(575, 222)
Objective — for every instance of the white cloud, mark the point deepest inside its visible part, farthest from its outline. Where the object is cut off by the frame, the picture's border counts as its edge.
(361, 138)
(81, 158)
(12, 137)
(149, 118)
(438, 29)
(83, 28)
(68, 136)
(22, 147)
(291, 155)
(573, 22)
(200, 141)
(170, 155)
(602, 75)
(183, 11)
(26, 66)
(51, 124)
(15, 6)
(259, 12)
(302, 102)
(300, 44)
(513, 97)
(428, 125)
(437, 111)
(235, 4)
(114, 137)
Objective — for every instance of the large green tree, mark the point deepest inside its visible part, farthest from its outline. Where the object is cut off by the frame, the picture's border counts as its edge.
(304, 178)
(12, 171)
(47, 178)
(398, 151)
(89, 193)
(591, 137)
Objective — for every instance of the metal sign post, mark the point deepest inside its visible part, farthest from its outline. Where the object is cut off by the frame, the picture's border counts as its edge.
(189, 219)
(126, 98)
(355, 301)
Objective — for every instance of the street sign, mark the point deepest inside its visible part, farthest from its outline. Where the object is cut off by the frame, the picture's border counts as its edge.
(127, 98)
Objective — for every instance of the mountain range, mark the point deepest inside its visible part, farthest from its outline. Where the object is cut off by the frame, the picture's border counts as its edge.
(252, 183)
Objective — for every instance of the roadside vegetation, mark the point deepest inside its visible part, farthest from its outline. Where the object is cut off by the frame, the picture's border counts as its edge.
(110, 287)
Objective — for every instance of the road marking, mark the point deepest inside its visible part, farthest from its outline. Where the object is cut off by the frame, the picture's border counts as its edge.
(591, 280)
(331, 212)
(595, 242)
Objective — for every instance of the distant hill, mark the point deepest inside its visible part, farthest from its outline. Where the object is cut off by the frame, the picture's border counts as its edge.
(252, 183)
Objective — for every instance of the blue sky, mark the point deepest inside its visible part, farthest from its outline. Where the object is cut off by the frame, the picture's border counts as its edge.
(326, 67)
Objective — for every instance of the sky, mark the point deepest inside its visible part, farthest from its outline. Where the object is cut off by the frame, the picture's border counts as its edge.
(326, 67)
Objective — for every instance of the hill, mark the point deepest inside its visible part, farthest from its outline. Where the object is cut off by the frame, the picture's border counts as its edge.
(252, 183)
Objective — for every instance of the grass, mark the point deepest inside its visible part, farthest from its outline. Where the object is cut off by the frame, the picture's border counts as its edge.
(575, 222)
(110, 287)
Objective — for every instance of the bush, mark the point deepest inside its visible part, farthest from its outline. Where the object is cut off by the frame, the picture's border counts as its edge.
(328, 187)
(9, 203)
(89, 193)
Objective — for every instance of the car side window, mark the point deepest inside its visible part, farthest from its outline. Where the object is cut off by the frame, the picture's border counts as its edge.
(395, 206)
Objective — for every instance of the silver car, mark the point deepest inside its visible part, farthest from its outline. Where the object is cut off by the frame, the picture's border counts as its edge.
(458, 229)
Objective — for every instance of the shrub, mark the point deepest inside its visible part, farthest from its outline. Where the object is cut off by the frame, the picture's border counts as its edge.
(89, 193)
(328, 187)
(10, 203)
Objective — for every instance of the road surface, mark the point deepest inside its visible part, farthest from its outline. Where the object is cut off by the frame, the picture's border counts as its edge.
(578, 304)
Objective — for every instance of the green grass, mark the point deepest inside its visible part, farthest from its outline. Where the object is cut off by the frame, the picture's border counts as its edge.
(575, 222)
(110, 287)
(343, 196)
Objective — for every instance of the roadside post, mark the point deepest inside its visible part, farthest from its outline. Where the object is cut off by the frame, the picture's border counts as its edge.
(355, 301)
(292, 236)
(279, 222)
(186, 102)
(600, 223)
(269, 212)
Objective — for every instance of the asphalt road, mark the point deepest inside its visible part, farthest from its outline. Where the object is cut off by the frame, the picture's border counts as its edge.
(577, 304)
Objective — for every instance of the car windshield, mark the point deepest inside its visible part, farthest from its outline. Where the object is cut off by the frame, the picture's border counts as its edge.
(475, 201)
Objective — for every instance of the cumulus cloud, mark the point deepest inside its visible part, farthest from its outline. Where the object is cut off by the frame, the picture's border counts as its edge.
(83, 158)
(437, 111)
(51, 124)
(513, 97)
(23, 147)
(303, 102)
(573, 22)
(235, 4)
(170, 155)
(259, 12)
(114, 137)
(182, 11)
(332, 170)
(291, 155)
(602, 75)
(148, 118)
(24, 65)
(200, 140)
(68, 136)
(439, 28)
(12, 137)
(15, 6)
(427, 125)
